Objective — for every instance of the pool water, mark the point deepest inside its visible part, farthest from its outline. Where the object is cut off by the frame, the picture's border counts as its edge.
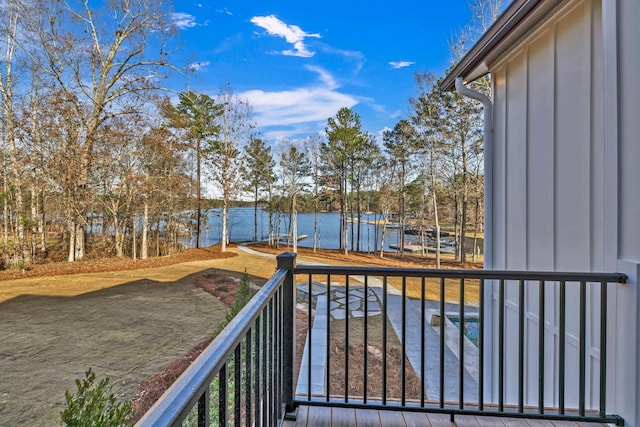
(471, 328)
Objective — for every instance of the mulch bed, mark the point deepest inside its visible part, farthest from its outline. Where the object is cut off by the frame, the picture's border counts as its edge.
(99, 265)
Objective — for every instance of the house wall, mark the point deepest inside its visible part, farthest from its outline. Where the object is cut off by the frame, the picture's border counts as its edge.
(566, 181)
(626, 53)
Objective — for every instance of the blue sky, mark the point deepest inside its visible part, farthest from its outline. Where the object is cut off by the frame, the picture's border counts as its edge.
(299, 62)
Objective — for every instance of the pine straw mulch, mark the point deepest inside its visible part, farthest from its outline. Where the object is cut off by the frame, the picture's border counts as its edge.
(100, 265)
(391, 259)
(374, 374)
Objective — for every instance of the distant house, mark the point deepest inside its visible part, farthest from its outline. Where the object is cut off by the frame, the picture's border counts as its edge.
(563, 169)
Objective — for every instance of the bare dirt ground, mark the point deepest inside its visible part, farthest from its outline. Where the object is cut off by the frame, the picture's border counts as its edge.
(140, 322)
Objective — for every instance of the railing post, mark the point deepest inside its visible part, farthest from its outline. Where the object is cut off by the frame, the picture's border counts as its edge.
(287, 261)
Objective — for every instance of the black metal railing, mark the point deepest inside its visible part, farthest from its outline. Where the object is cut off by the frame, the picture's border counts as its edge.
(386, 338)
(245, 376)
(532, 355)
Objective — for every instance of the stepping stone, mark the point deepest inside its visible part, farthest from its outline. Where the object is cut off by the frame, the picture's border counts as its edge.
(354, 305)
(357, 292)
(338, 314)
(342, 301)
(357, 313)
(373, 306)
(333, 305)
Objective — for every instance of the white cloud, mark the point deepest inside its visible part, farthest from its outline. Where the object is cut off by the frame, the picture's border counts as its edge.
(183, 20)
(352, 55)
(291, 33)
(199, 66)
(301, 110)
(400, 64)
(325, 76)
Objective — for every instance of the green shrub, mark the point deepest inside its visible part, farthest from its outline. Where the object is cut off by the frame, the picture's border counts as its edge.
(244, 293)
(95, 405)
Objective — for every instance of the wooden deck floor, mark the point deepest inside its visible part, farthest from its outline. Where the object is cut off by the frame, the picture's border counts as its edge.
(318, 416)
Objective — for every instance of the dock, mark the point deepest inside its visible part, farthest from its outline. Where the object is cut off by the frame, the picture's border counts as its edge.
(408, 248)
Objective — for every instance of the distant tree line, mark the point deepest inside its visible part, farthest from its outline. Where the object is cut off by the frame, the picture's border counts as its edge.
(97, 163)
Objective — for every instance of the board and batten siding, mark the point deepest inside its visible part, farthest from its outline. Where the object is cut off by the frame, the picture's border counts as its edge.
(549, 202)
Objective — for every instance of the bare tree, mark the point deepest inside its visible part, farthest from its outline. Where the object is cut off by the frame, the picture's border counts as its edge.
(225, 156)
(295, 168)
(258, 172)
(106, 61)
(313, 146)
(12, 12)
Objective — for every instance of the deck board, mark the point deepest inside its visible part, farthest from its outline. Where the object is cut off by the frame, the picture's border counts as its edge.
(467, 421)
(321, 416)
(416, 419)
(388, 418)
(343, 417)
(369, 418)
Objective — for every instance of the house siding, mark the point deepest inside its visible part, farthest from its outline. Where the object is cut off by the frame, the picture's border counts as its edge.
(552, 174)
(626, 53)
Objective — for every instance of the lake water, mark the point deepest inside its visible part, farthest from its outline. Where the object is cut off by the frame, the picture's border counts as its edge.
(241, 229)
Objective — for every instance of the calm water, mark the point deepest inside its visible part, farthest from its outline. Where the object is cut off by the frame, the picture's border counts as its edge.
(241, 228)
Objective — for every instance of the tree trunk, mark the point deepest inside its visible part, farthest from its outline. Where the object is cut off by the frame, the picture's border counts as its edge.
(465, 195)
(72, 241)
(435, 214)
(198, 195)
(255, 214)
(134, 232)
(343, 216)
(294, 225)
(144, 249)
(223, 234)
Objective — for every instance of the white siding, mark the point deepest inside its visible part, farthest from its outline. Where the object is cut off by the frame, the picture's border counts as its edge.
(549, 171)
(626, 382)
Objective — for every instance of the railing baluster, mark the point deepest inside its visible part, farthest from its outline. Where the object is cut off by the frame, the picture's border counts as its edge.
(403, 363)
(328, 377)
(257, 371)
(541, 334)
(204, 408)
(481, 348)
(237, 386)
(222, 396)
(521, 308)
(265, 367)
(561, 351)
(273, 384)
(461, 346)
(365, 369)
(422, 336)
(249, 384)
(603, 348)
(277, 363)
(442, 301)
(346, 340)
(384, 340)
(501, 327)
(583, 348)
(309, 337)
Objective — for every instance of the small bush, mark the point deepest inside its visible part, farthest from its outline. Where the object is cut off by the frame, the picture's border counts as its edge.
(244, 293)
(95, 405)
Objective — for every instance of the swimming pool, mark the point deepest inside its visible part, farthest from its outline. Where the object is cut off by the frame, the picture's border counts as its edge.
(471, 327)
